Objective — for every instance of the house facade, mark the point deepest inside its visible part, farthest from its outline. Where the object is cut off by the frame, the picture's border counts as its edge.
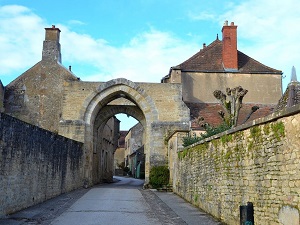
(119, 155)
(134, 151)
(221, 65)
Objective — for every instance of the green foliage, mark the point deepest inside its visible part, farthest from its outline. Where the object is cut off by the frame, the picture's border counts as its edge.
(267, 129)
(190, 139)
(210, 131)
(196, 197)
(226, 138)
(159, 176)
(278, 129)
(255, 132)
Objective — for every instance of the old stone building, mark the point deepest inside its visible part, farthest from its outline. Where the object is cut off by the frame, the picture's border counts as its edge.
(108, 145)
(134, 150)
(119, 155)
(257, 162)
(36, 96)
(220, 65)
(50, 96)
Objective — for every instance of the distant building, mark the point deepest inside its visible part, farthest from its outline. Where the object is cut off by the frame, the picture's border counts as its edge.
(119, 155)
(220, 65)
(134, 151)
(109, 144)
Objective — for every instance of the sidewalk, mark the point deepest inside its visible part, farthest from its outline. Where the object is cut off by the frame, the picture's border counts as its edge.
(186, 211)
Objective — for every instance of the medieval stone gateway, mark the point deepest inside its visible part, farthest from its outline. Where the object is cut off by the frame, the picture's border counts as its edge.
(50, 96)
(59, 133)
(88, 106)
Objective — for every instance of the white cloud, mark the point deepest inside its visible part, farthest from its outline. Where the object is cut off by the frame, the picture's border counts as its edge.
(146, 58)
(268, 31)
(21, 36)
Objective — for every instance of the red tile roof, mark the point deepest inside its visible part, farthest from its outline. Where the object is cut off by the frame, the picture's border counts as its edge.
(209, 111)
(209, 59)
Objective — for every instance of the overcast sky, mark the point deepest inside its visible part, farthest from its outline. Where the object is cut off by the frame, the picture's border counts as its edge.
(141, 39)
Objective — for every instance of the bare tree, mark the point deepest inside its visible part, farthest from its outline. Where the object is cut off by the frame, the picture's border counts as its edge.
(231, 102)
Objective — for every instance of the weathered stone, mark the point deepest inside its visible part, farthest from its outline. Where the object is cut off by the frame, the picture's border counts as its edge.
(50, 96)
(37, 165)
(268, 177)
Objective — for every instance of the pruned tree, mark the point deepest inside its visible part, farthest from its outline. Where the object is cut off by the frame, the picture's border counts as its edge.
(231, 102)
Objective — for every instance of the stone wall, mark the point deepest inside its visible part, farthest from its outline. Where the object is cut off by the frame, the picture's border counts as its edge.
(35, 165)
(256, 163)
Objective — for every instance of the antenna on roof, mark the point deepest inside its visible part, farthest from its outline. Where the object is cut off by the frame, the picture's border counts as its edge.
(294, 75)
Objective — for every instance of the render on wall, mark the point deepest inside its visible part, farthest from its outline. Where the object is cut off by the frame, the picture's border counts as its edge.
(221, 65)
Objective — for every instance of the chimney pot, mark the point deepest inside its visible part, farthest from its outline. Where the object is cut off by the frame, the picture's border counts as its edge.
(53, 26)
(204, 45)
(232, 24)
(226, 23)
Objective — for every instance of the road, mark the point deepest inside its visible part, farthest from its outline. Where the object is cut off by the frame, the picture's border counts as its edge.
(120, 203)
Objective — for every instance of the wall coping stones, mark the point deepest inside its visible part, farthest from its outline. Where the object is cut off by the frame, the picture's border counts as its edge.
(272, 117)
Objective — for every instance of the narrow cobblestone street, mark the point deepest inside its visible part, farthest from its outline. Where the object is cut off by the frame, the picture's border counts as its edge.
(122, 202)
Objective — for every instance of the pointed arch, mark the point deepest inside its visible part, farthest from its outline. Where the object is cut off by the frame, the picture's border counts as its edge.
(113, 89)
(96, 111)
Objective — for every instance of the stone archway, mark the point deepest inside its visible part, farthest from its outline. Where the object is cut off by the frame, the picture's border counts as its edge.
(98, 111)
(158, 106)
(101, 121)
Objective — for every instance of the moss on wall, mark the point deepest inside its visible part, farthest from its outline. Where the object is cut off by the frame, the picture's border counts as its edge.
(258, 164)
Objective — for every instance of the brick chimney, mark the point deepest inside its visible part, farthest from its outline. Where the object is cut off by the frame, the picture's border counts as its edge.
(51, 45)
(229, 53)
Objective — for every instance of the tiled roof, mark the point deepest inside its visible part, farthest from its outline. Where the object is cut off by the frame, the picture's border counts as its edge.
(209, 111)
(209, 59)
